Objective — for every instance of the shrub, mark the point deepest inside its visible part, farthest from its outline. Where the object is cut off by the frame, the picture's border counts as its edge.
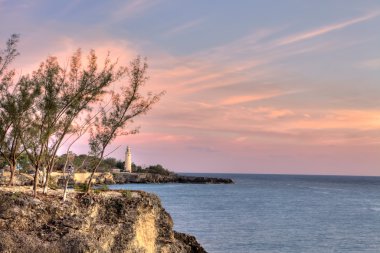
(80, 187)
(53, 184)
(126, 193)
(101, 189)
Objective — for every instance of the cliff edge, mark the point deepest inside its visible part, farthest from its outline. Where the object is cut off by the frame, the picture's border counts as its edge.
(109, 221)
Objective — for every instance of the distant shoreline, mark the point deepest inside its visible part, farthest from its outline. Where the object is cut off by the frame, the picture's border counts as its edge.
(149, 178)
(272, 174)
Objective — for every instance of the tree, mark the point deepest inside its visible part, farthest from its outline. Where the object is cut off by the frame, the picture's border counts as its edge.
(8, 54)
(41, 111)
(15, 102)
(125, 106)
(64, 96)
(78, 133)
(120, 165)
(15, 105)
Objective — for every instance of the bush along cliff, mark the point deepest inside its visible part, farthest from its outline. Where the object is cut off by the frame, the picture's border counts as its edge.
(105, 221)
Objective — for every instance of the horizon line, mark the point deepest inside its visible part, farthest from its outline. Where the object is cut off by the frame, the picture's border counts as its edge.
(280, 174)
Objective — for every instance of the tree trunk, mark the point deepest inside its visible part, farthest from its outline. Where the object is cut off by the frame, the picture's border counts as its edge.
(35, 183)
(65, 190)
(46, 181)
(45, 188)
(48, 172)
(12, 169)
(89, 184)
(44, 174)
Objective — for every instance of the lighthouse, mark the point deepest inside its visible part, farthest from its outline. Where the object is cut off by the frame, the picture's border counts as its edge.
(128, 160)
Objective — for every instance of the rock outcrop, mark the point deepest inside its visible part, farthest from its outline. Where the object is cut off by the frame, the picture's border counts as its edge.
(106, 221)
(147, 178)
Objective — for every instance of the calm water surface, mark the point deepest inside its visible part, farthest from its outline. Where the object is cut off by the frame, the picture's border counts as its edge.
(276, 213)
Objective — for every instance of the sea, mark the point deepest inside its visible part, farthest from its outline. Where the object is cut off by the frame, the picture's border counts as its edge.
(276, 213)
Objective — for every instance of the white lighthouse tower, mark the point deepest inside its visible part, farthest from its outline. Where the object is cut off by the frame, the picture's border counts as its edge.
(128, 160)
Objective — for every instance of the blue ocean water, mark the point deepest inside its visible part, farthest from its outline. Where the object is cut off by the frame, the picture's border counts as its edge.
(276, 213)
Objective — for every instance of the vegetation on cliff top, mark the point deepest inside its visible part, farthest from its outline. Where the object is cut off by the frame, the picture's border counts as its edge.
(84, 163)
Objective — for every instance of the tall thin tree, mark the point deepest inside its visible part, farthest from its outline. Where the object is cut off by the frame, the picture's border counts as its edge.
(126, 105)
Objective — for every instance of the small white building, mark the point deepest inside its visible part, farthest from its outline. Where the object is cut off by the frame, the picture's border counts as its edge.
(115, 170)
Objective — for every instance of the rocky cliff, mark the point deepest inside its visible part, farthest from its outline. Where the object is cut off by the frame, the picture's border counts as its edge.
(106, 221)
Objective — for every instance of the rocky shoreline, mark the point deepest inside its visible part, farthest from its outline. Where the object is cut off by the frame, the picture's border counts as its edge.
(105, 221)
(119, 178)
(148, 178)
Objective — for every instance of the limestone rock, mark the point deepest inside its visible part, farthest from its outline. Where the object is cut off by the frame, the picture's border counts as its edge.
(110, 221)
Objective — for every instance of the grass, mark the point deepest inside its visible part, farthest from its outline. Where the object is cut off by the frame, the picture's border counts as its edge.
(53, 184)
(126, 193)
(80, 187)
(101, 189)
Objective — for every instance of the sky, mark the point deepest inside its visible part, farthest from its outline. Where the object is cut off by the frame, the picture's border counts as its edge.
(252, 86)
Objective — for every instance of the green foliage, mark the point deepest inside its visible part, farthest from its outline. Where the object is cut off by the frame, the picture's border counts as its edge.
(101, 188)
(66, 93)
(3, 163)
(110, 162)
(136, 168)
(126, 104)
(83, 163)
(15, 103)
(16, 195)
(41, 111)
(9, 53)
(53, 184)
(120, 165)
(126, 194)
(23, 161)
(153, 169)
(80, 187)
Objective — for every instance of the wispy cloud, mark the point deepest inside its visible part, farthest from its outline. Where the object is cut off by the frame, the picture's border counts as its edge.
(373, 64)
(361, 120)
(184, 27)
(133, 8)
(326, 29)
(274, 113)
(234, 100)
